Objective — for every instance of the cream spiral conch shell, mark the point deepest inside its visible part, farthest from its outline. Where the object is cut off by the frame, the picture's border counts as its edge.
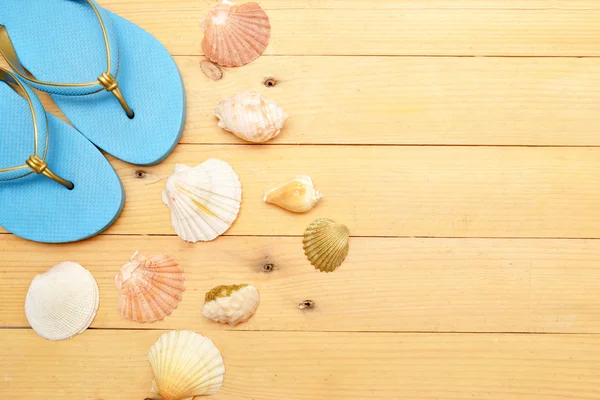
(326, 244)
(251, 117)
(185, 365)
(151, 288)
(231, 304)
(62, 302)
(297, 194)
(235, 35)
(204, 200)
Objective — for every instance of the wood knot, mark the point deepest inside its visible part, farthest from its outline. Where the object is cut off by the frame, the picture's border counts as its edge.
(306, 304)
(268, 267)
(139, 174)
(270, 82)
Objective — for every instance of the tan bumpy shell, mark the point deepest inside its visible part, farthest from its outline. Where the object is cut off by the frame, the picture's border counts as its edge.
(151, 288)
(231, 304)
(326, 244)
(235, 35)
(296, 195)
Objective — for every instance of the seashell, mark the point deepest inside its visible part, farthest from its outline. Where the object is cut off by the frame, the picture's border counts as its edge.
(151, 288)
(326, 244)
(211, 70)
(231, 304)
(185, 365)
(204, 200)
(297, 194)
(62, 302)
(235, 35)
(249, 116)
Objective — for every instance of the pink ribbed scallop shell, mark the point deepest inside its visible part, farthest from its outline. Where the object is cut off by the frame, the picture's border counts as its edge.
(235, 35)
(151, 288)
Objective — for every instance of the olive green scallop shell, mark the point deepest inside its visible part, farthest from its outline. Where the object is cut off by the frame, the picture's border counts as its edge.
(326, 244)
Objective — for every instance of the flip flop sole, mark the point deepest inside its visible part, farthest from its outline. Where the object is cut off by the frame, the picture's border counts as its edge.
(37, 208)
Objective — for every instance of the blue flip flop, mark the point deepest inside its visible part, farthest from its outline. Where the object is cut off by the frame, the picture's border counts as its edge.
(114, 81)
(55, 186)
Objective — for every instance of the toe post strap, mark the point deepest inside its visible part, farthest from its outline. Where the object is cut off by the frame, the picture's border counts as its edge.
(40, 166)
(111, 85)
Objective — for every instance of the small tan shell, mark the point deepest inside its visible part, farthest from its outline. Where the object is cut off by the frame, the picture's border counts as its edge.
(185, 364)
(151, 288)
(235, 35)
(231, 304)
(251, 117)
(326, 244)
(297, 194)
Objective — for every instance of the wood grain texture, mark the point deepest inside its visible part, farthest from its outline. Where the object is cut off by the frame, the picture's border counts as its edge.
(314, 366)
(398, 100)
(436, 285)
(434, 129)
(395, 191)
(391, 100)
(464, 27)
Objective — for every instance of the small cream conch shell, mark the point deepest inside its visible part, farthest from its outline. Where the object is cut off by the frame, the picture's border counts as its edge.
(297, 194)
(326, 244)
(151, 288)
(231, 304)
(62, 302)
(204, 200)
(235, 35)
(249, 116)
(185, 365)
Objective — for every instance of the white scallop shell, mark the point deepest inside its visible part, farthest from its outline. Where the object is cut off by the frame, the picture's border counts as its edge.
(185, 364)
(62, 302)
(251, 117)
(204, 200)
(231, 304)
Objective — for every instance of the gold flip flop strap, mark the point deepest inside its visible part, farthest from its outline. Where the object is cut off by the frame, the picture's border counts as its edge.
(36, 163)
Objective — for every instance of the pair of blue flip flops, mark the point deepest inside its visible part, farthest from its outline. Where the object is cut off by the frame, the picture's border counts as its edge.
(117, 85)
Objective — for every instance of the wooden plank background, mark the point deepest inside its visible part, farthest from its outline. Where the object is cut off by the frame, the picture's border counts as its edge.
(457, 139)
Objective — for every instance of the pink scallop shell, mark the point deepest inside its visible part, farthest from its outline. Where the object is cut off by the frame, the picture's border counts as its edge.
(235, 35)
(151, 288)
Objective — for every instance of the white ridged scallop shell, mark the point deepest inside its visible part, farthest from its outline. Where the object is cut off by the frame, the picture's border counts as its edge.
(297, 194)
(251, 117)
(185, 364)
(204, 200)
(235, 35)
(62, 302)
(150, 288)
(231, 304)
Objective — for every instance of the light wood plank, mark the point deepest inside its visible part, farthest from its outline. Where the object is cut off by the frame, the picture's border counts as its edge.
(312, 366)
(437, 285)
(395, 191)
(389, 100)
(464, 27)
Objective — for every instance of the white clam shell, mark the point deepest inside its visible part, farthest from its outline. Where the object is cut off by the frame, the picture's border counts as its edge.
(251, 117)
(185, 364)
(62, 302)
(238, 305)
(204, 200)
